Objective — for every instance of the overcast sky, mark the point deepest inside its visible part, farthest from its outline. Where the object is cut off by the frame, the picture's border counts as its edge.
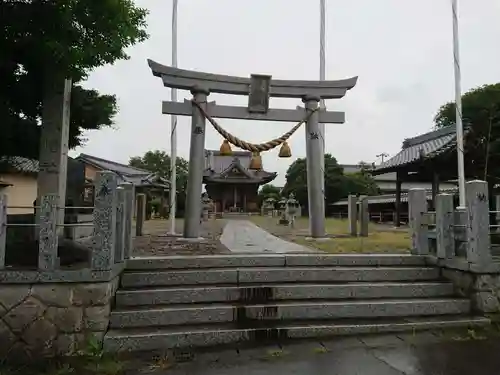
(400, 49)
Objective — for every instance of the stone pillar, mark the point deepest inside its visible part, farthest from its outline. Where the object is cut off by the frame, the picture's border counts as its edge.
(141, 214)
(53, 159)
(497, 208)
(364, 216)
(314, 155)
(120, 225)
(435, 189)
(48, 237)
(196, 164)
(352, 215)
(129, 214)
(105, 202)
(417, 207)
(3, 228)
(397, 216)
(445, 238)
(478, 224)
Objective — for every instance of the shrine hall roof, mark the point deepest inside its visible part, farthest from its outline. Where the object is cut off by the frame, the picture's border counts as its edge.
(425, 146)
(233, 168)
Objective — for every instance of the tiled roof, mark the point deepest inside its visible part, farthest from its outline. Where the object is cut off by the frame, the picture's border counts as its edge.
(19, 164)
(108, 165)
(424, 146)
(216, 164)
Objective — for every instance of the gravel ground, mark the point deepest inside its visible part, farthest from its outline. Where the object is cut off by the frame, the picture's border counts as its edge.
(155, 241)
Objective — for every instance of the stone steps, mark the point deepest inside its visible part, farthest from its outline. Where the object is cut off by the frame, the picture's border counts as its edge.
(273, 260)
(278, 292)
(288, 310)
(132, 340)
(135, 279)
(179, 301)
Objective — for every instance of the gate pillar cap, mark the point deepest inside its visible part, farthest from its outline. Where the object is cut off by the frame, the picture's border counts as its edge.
(199, 90)
(310, 98)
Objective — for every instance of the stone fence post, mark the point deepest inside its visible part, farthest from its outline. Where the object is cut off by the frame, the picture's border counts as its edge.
(120, 225)
(141, 214)
(364, 216)
(48, 233)
(129, 216)
(3, 229)
(105, 203)
(417, 202)
(352, 215)
(478, 223)
(445, 230)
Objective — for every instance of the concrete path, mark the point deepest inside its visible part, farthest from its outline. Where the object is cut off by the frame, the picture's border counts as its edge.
(243, 236)
(406, 354)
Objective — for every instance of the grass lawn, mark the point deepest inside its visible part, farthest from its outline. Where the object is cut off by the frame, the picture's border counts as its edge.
(381, 238)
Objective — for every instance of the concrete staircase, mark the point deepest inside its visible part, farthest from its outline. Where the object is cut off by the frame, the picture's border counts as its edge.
(186, 301)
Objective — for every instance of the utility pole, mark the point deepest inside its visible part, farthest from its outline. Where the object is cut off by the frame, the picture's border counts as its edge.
(382, 156)
(458, 106)
(173, 129)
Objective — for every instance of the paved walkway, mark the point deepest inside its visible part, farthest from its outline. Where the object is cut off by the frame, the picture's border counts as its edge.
(379, 355)
(243, 236)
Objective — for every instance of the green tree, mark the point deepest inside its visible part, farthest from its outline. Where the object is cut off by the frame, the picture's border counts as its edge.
(45, 41)
(268, 191)
(361, 183)
(296, 180)
(159, 162)
(481, 118)
(337, 184)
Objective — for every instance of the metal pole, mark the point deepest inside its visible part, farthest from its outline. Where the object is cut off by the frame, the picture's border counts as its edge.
(322, 78)
(458, 106)
(173, 128)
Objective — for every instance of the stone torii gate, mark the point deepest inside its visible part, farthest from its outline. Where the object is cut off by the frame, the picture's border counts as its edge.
(258, 88)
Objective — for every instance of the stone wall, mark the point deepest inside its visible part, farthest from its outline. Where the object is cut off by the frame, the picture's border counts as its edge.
(482, 289)
(53, 319)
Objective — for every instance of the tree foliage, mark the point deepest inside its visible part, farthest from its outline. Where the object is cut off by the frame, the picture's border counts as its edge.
(48, 40)
(268, 191)
(159, 162)
(337, 184)
(481, 118)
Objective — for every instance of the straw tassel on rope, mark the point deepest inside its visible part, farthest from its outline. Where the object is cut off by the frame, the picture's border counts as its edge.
(225, 148)
(285, 151)
(256, 162)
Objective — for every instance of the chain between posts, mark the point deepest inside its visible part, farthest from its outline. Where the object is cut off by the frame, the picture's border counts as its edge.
(253, 147)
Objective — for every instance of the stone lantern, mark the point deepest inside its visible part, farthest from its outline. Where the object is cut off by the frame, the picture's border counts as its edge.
(292, 208)
(206, 206)
(282, 205)
(268, 206)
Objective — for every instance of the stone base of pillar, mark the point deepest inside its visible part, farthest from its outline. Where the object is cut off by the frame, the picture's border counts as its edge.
(191, 240)
(318, 239)
(174, 234)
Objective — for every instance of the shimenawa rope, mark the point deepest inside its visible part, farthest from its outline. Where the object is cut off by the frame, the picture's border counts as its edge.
(253, 147)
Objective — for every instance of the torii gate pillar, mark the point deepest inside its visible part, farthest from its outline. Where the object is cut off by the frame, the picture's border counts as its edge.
(196, 162)
(314, 154)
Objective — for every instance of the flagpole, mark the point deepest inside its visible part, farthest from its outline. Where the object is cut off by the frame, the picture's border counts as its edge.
(322, 78)
(458, 106)
(173, 128)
